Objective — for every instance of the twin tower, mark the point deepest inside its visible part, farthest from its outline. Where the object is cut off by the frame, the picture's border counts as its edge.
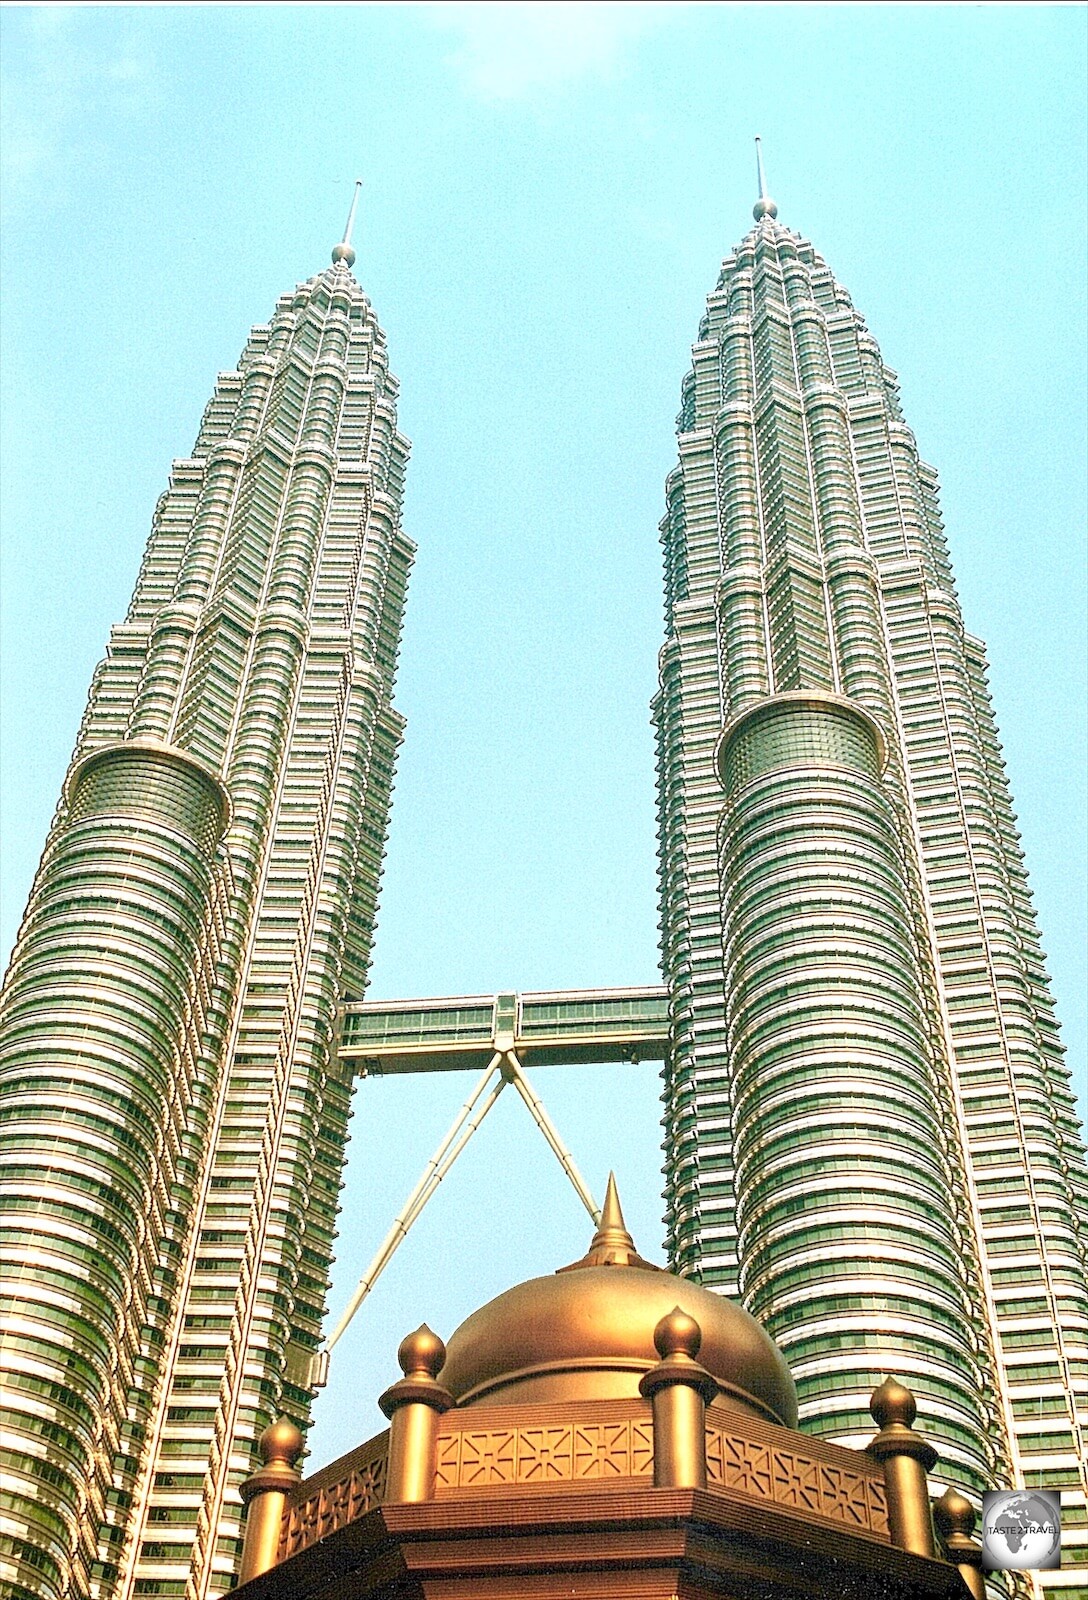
(868, 1126)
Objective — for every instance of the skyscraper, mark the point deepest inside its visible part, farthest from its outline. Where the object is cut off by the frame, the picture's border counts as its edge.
(867, 1117)
(173, 1117)
(868, 1132)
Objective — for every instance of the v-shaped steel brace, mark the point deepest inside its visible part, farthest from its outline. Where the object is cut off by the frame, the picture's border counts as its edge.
(503, 1068)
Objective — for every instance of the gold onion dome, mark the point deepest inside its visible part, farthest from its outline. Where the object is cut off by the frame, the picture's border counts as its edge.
(587, 1333)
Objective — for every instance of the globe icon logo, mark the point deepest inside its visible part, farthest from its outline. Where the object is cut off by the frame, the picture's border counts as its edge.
(1021, 1531)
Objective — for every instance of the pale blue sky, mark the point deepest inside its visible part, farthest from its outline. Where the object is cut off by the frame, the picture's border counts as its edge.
(549, 192)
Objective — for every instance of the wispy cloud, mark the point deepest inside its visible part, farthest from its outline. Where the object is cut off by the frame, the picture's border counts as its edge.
(519, 50)
(66, 71)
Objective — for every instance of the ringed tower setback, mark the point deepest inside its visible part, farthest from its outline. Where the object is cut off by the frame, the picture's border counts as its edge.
(174, 1118)
(867, 1115)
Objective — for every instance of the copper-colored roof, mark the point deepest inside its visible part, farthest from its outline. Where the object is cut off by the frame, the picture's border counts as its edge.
(587, 1333)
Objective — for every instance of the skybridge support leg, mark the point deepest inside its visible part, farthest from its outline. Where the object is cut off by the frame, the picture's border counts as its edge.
(472, 1114)
(469, 1118)
(511, 1071)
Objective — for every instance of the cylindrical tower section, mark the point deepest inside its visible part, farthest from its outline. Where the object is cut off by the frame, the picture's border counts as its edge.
(844, 1204)
(92, 1089)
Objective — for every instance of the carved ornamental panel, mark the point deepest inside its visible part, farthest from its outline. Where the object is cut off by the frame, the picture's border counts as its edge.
(612, 1447)
(801, 1482)
(333, 1507)
(473, 1458)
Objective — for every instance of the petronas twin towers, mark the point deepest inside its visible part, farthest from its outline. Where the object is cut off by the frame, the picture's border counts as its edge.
(869, 1133)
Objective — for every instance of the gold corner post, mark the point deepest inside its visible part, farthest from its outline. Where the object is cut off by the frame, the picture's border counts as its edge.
(680, 1391)
(265, 1494)
(906, 1458)
(413, 1407)
(955, 1518)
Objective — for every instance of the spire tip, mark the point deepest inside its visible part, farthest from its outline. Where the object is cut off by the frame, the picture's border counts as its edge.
(764, 206)
(343, 251)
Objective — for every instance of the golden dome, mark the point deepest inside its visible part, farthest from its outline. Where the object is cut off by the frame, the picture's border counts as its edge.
(587, 1333)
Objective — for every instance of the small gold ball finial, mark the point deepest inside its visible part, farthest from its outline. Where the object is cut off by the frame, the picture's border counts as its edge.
(677, 1334)
(281, 1441)
(954, 1513)
(893, 1403)
(422, 1354)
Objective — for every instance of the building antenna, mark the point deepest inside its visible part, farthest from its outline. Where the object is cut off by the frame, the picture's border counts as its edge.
(764, 206)
(343, 251)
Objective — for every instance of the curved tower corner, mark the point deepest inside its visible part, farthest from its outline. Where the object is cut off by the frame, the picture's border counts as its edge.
(867, 1116)
(174, 1117)
(846, 1199)
(102, 1002)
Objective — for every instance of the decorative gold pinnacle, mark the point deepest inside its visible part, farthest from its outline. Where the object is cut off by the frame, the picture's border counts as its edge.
(677, 1334)
(893, 1405)
(954, 1518)
(612, 1245)
(413, 1406)
(265, 1494)
(281, 1442)
(906, 1457)
(421, 1354)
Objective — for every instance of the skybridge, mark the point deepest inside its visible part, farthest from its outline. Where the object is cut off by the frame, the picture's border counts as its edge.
(563, 1027)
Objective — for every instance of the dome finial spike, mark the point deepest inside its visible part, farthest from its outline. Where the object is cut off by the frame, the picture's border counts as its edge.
(611, 1214)
(612, 1242)
(611, 1245)
(764, 206)
(343, 251)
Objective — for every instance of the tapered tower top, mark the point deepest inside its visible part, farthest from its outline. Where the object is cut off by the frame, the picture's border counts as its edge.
(343, 251)
(764, 206)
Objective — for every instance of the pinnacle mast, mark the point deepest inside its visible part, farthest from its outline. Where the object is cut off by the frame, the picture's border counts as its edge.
(764, 206)
(343, 251)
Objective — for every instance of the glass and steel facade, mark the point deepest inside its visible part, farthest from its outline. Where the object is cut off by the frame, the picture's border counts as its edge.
(870, 1133)
(172, 1113)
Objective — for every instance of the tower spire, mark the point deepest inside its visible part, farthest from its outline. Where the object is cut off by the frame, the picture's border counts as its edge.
(764, 206)
(343, 251)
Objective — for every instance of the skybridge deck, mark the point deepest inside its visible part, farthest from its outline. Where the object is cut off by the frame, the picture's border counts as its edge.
(561, 1027)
